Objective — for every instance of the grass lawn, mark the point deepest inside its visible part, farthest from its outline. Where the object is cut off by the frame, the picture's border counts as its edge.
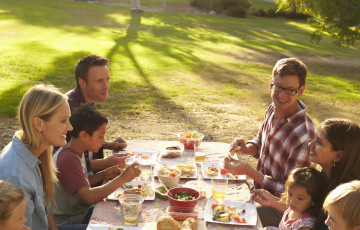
(171, 71)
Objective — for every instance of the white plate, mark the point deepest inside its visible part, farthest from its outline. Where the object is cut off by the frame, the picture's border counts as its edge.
(205, 166)
(250, 212)
(108, 227)
(149, 161)
(160, 164)
(135, 183)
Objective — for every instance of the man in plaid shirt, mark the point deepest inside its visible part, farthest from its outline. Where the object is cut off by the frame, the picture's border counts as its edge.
(282, 141)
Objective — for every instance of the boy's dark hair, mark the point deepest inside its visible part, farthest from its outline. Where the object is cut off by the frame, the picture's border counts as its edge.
(290, 66)
(83, 65)
(86, 118)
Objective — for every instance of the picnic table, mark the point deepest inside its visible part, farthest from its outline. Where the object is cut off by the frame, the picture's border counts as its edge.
(107, 212)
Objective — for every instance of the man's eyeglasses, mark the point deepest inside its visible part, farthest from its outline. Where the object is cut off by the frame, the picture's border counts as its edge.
(290, 92)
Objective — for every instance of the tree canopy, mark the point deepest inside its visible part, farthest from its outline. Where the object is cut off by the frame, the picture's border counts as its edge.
(339, 18)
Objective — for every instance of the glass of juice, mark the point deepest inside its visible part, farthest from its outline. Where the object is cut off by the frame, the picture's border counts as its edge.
(131, 206)
(219, 188)
(198, 154)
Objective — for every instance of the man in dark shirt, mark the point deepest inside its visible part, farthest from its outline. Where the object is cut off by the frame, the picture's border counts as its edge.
(92, 84)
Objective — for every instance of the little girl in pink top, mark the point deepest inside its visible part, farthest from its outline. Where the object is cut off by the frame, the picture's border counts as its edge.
(303, 196)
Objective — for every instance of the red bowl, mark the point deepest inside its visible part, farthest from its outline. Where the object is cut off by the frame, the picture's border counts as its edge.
(183, 203)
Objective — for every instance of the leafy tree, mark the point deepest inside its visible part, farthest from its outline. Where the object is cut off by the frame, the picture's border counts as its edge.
(339, 18)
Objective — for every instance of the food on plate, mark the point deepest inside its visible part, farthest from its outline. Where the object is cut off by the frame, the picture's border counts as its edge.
(231, 176)
(172, 151)
(148, 191)
(173, 148)
(187, 170)
(181, 213)
(161, 192)
(223, 171)
(189, 224)
(145, 156)
(184, 196)
(136, 191)
(212, 170)
(144, 189)
(110, 228)
(222, 213)
(167, 223)
(169, 173)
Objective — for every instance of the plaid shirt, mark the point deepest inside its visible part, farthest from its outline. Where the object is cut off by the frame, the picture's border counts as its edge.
(283, 147)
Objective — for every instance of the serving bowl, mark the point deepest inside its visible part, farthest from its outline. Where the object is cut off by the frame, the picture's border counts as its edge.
(169, 177)
(183, 203)
(190, 139)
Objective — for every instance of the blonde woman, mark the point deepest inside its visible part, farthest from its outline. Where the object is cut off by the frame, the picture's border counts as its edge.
(12, 207)
(27, 160)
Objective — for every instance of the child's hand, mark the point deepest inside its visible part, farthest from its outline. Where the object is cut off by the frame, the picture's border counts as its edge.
(112, 172)
(263, 197)
(117, 159)
(131, 172)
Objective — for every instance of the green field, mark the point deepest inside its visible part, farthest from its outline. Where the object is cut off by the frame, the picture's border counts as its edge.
(186, 68)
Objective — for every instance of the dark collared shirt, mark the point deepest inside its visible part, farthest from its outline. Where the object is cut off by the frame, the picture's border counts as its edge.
(76, 98)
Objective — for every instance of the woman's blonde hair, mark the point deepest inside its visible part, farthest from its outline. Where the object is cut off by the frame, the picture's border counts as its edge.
(40, 101)
(309, 178)
(9, 195)
(345, 201)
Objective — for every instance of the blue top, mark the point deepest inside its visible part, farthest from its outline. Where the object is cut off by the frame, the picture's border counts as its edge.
(20, 167)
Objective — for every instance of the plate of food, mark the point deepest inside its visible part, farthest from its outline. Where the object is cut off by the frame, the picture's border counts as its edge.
(217, 171)
(230, 212)
(188, 170)
(145, 157)
(143, 188)
(108, 227)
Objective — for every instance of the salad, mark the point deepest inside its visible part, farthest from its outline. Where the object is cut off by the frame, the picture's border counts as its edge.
(191, 135)
(184, 196)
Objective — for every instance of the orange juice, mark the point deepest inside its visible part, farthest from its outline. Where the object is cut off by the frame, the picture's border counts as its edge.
(199, 157)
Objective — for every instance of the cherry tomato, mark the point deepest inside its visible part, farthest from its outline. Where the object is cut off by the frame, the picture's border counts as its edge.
(213, 205)
(139, 186)
(223, 171)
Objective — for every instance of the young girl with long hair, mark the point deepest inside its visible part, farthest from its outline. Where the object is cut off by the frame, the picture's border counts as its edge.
(303, 196)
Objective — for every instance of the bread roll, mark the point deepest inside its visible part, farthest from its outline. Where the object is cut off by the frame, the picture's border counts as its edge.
(167, 223)
(232, 153)
(189, 224)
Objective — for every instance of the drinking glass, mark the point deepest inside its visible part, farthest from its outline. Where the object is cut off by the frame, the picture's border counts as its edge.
(146, 172)
(131, 206)
(219, 188)
(198, 154)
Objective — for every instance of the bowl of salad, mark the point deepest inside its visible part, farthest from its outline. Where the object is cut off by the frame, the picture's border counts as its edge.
(190, 138)
(183, 197)
(169, 177)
